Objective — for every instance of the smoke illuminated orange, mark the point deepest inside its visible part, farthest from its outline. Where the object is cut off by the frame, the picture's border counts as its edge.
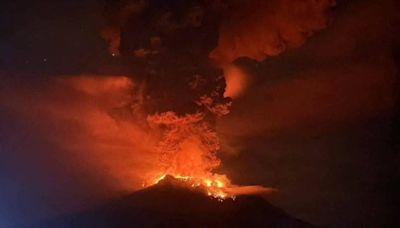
(187, 151)
(106, 128)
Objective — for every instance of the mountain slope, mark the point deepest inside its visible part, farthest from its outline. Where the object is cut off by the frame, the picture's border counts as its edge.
(168, 204)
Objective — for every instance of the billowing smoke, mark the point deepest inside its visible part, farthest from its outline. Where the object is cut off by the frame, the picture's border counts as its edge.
(258, 29)
(161, 116)
(169, 44)
(177, 49)
(91, 132)
(255, 29)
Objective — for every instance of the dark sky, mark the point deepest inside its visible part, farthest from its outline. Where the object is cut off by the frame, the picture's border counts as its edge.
(318, 122)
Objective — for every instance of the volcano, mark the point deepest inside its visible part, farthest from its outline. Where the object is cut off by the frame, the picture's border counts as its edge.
(171, 203)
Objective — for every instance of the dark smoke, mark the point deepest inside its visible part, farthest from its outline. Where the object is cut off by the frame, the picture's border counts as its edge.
(167, 44)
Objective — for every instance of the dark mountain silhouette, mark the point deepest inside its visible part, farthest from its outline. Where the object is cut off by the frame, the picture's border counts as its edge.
(171, 204)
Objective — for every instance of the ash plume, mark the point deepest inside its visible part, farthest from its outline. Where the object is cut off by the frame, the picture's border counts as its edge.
(177, 49)
(167, 46)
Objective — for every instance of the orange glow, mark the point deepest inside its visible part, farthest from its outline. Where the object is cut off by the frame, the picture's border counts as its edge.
(213, 186)
(187, 152)
(258, 29)
(236, 81)
(110, 135)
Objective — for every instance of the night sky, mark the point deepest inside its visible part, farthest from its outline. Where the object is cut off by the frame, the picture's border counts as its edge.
(318, 121)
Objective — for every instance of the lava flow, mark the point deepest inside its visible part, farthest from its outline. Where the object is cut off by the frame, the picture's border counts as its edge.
(214, 186)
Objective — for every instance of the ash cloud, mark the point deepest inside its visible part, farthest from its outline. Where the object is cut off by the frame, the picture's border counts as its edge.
(324, 115)
(254, 29)
(194, 33)
(346, 74)
(258, 29)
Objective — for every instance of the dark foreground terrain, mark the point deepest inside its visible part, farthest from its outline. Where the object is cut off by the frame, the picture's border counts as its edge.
(170, 205)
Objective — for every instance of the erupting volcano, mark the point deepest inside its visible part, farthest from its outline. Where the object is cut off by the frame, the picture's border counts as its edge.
(152, 127)
(182, 90)
(199, 113)
(177, 51)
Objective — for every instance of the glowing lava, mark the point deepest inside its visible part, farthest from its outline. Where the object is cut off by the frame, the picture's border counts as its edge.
(214, 186)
